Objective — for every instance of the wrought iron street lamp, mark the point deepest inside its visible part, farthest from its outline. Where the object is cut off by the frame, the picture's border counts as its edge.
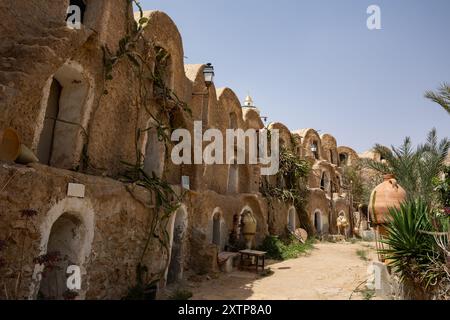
(208, 72)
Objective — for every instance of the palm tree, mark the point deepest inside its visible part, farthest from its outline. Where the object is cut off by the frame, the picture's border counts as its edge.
(414, 169)
(441, 97)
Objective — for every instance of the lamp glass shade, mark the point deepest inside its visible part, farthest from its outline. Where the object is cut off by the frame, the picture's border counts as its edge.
(208, 72)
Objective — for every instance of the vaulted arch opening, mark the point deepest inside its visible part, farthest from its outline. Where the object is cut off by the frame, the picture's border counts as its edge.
(67, 237)
(66, 104)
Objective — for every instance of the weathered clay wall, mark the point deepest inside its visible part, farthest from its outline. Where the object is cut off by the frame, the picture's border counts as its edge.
(329, 148)
(308, 136)
(352, 155)
(114, 221)
(113, 218)
(318, 202)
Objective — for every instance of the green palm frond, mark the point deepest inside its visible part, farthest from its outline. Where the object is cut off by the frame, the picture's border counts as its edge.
(377, 166)
(410, 250)
(441, 97)
(414, 168)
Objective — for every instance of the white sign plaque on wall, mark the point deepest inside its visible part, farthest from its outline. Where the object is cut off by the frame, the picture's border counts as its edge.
(76, 190)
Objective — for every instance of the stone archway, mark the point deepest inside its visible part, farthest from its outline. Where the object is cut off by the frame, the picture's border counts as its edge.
(178, 235)
(65, 108)
(67, 233)
(292, 223)
(66, 239)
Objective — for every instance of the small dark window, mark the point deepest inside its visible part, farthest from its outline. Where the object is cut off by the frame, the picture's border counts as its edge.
(343, 158)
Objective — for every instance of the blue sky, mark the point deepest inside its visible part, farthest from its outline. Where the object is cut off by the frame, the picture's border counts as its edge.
(314, 63)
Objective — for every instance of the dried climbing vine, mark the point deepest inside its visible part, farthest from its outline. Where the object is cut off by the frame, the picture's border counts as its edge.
(291, 183)
(150, 71)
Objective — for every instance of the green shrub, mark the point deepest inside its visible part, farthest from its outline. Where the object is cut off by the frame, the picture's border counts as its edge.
(284, 250)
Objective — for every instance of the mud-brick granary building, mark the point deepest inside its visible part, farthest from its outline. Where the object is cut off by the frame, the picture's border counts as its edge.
(84, 101)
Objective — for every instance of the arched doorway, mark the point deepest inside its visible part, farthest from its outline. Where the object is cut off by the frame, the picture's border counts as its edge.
(318, 222)
(176, 265)
(292, 224)
(66, 104)
(325, 182)
(67, 237)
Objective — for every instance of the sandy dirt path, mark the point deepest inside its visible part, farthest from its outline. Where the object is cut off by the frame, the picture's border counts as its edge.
(330, 272)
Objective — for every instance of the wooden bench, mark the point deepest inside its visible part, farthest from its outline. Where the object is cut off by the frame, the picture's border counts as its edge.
(226, 261)
(257, 254)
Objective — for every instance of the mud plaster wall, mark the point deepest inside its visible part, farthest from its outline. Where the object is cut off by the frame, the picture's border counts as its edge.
(36, 46)
(329, 148)
(318, 201)
(278, 217)
(203, 253)
(118, 231)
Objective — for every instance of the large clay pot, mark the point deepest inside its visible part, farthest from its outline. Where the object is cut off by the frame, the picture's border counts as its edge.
(249, 228)
(11, 149)
(388, 194)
